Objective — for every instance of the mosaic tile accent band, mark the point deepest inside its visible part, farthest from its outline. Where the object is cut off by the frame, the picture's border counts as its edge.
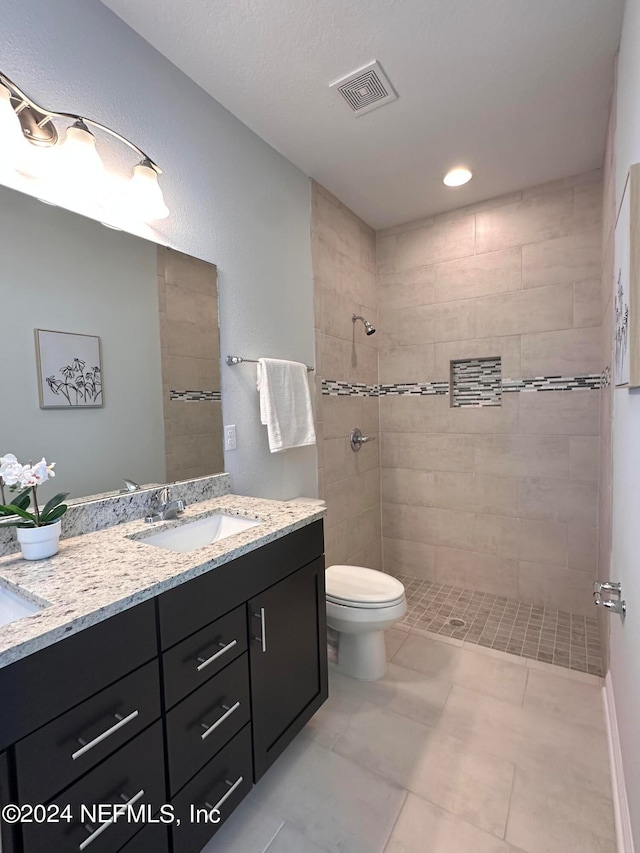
(588, 382)
(196, 396)
(476, 382)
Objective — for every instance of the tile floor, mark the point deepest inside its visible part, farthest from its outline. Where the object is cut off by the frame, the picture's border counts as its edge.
(553, 636)
(459, 749)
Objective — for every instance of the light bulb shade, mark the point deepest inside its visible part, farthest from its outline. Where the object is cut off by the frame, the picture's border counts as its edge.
(12, 141)
(78, 159)
(143, 196)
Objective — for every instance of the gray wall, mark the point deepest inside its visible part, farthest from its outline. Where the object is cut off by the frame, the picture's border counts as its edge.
(63, 272)
(234, 201)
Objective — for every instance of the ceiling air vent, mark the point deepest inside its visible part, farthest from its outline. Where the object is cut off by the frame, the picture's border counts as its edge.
(365, 89)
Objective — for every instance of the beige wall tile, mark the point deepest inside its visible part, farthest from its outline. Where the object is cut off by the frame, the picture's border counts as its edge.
(588, 206)
(408, 364)
(543, 542)
(507, 347)
(555, 587)
(582, 179)
(389, 450)
(428, 525)
(434, 452)
(538, 310)
(586, 303)
(475, 492)
(441, 241)
(407, 289)
(494, 534)
(447, 321)
(560, 412)
(412, 414)
(583, 549)
(188, 339)
(340, 415)
(523, 455)
(416, 559)
(558, 500)
(584, 455)
(531, 220)
(404, 486)
(386, 254)
(479, 275)
(561, 353)
(483, 572)
(189, 274)
(327, 270)
(363, 529)
(563, 260)
(482, 419)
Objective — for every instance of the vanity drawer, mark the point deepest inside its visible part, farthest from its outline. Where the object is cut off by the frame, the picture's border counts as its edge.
(60, 752)
(224, 783)
(202, 723)
(154, 838)
(198, 658)
(49, 682)
(135, 772)
(192, 605)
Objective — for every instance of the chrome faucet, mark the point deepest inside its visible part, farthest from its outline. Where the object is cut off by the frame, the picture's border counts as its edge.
(168, 509)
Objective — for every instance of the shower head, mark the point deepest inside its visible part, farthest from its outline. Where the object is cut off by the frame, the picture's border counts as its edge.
(369, 328)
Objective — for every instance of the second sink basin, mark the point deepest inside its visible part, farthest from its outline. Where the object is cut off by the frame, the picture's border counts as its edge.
(14, 606)
(191, 535)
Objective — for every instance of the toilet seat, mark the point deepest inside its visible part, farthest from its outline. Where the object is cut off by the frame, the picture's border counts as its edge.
(359, 587)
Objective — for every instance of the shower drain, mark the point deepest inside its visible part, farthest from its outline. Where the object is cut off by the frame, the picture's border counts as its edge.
(457, 623)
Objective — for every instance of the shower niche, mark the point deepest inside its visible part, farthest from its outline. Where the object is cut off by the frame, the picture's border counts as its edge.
(476, 382)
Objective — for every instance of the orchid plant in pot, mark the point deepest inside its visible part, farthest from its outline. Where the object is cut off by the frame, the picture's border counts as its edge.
(37, 529)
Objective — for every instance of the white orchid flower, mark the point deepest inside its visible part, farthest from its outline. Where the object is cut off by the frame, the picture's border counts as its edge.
(6, 461)
(40, 472)
(13, 473)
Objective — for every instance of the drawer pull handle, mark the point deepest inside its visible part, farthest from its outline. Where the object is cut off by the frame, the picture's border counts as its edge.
(109, 822)
(225, 797)
(122, 721)
(204, 662)
(262, 639)
(228, 711)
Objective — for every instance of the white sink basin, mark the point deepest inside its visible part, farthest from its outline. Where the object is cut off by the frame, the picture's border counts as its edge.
(191, 535)
(14, 606)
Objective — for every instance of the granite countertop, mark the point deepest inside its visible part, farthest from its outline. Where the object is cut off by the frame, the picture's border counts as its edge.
(100, 574)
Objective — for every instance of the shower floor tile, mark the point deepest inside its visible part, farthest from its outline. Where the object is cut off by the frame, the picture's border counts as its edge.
(552, 636)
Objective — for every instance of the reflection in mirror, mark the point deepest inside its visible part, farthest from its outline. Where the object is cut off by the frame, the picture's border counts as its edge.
(147, 314)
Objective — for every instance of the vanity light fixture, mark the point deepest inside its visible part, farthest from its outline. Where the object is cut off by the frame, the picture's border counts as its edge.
(25, 127)
(457, 177)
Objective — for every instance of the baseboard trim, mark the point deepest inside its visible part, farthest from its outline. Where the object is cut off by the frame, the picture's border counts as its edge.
(620, 802)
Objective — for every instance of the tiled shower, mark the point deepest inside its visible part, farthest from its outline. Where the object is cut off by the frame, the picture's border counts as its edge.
(482, 386)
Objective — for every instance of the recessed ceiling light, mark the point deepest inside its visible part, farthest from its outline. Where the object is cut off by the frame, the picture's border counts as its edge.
(457, 177)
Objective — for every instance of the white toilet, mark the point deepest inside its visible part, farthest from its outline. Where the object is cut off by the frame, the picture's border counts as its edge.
(361, 604)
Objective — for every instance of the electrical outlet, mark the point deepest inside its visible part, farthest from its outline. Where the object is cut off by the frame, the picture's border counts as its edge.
(230, 437)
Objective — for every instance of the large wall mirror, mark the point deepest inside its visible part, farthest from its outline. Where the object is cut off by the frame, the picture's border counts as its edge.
(123, 380)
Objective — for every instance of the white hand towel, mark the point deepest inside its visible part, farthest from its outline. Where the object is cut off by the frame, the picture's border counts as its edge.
(285, 404)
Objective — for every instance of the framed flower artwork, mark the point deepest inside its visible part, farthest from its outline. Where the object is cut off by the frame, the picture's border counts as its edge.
(69, 370)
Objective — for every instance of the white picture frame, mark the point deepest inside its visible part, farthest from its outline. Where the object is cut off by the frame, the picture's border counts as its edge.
(69, 367)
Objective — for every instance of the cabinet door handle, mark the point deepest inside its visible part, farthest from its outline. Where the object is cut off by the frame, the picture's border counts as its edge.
(129, 801)
(122, 721)
(228, 712)
(225, 797)
(204, 662)
(262, 639)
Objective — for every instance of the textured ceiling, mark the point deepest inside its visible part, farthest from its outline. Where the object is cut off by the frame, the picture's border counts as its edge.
(519, 90)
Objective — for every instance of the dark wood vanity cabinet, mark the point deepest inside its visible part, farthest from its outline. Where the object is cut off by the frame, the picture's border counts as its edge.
(288, 663)
(185, 700)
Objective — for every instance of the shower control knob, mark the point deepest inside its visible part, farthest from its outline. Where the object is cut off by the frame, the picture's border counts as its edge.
(357, 439)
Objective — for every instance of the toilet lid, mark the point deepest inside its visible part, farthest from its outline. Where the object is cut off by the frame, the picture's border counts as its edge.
(358, 586)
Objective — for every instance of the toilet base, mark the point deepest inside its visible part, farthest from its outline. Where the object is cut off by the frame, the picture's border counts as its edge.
(362, 656)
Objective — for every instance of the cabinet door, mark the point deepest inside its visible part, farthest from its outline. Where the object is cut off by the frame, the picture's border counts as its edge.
(288, 660)
(7, 832)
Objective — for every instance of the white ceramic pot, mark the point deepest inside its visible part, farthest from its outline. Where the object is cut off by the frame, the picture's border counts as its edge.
(37, 543)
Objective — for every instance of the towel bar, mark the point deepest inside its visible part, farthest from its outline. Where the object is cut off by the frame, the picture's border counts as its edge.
(238, 359)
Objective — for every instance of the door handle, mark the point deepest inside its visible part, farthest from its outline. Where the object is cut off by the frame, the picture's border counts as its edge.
(262, 639)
